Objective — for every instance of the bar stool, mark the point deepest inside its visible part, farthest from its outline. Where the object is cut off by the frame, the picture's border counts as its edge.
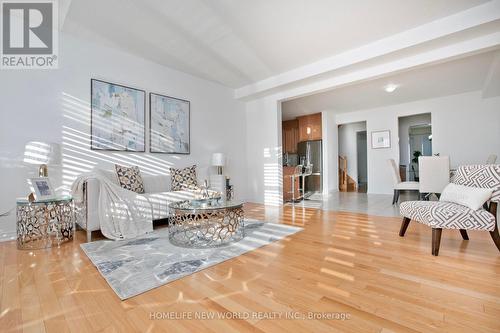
(307, 172)
(297, 172)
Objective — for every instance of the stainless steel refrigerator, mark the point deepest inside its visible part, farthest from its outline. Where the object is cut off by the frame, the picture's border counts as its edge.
(310, 152)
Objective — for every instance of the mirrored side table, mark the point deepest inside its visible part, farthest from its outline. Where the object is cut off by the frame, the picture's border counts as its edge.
(44, 223)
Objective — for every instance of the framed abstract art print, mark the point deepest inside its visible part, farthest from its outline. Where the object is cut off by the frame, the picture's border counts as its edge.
(169, 125)
(117, 117)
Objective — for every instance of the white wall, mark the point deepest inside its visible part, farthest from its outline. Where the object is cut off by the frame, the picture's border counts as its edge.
(465, 127)
(348, 146)
(263, 149)
(53, 105)
(330, 152)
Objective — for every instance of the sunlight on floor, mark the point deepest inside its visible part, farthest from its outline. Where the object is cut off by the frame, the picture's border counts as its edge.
(367, 203)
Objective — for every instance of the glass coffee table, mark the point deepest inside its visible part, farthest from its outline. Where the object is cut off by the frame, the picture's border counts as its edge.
(204, 224)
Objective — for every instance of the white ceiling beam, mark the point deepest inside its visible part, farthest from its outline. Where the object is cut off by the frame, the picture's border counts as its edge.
(454, 51)
(467, 19)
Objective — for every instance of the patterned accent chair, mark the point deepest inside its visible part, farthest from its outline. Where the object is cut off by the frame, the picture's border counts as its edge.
(445, 215)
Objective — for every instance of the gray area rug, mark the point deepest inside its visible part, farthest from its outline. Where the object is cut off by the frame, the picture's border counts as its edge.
(132, 267)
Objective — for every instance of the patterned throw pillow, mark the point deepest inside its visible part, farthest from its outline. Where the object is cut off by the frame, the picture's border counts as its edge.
(130, 178)
(184, 179)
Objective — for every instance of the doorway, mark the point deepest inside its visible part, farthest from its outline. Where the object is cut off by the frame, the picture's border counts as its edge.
(415, 139)
(353, 171)
(361, 143)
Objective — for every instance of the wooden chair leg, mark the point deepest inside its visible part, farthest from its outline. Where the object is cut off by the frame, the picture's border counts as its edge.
(404, 226)
(463, 232)
(436, 240)
(495, 236)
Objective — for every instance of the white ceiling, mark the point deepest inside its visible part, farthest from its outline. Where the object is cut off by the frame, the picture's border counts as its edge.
(454, 77)
(240, 42)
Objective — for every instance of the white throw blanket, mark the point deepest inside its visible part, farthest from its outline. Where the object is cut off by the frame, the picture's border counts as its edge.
(123, 214)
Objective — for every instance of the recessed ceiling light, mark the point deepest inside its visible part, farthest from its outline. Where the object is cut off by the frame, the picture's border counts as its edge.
(390, 87)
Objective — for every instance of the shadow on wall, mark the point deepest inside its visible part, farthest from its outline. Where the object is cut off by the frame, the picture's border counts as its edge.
(273, 180)
(77, 157)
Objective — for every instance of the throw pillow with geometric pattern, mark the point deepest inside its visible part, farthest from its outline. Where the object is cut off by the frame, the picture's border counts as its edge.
(130, 178)
(184, 179)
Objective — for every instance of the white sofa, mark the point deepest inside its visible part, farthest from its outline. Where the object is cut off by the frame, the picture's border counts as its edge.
(157, 192)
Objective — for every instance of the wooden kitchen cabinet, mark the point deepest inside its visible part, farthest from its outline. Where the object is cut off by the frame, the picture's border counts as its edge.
(310, 127)
(290, 136)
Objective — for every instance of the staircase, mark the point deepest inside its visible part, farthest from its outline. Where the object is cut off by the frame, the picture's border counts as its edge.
(346, 183)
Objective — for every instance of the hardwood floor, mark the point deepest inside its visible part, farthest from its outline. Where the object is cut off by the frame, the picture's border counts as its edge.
(342, 262)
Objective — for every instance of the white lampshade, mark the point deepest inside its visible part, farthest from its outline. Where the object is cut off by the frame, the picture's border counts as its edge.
(218, 159)
(36, 152)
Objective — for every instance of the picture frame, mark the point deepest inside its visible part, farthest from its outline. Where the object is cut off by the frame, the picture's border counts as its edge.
(169, 124)
(42, 188)
(381, 139)
(117, 117)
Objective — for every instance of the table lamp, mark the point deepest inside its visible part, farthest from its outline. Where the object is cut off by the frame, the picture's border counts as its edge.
(219, 160)
(43, 154)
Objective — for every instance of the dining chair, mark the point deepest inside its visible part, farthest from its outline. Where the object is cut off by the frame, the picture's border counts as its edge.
(434, 175)
(306, 173)
(491, 159)
(399, 185)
